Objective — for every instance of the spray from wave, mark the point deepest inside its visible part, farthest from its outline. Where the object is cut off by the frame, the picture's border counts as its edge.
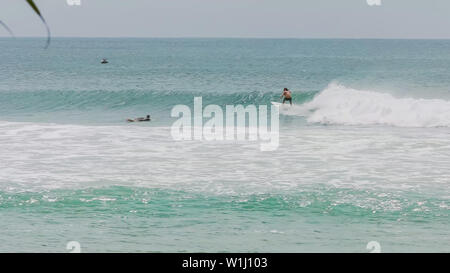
(338, 104)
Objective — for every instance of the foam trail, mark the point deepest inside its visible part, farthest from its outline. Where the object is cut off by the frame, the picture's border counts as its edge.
(338, 104)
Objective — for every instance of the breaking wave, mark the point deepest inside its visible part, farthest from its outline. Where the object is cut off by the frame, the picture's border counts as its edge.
(338, 104)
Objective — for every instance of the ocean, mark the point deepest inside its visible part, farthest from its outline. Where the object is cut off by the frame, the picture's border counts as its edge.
(363, 154)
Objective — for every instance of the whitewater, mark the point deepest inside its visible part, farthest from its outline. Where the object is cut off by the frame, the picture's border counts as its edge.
(338, 104)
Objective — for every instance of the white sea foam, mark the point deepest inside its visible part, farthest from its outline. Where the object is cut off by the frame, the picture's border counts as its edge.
(338, 104)
(36, 156)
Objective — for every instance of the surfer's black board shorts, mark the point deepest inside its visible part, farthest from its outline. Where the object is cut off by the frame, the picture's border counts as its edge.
(286, 99)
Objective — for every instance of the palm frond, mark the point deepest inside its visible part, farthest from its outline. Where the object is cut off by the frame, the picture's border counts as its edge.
(36, 10)
(5, 26)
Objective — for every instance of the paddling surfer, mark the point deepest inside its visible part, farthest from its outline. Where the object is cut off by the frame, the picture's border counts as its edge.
(139, 119)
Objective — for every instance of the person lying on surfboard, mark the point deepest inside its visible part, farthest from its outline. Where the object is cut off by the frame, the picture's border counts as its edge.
(139, 119)
(287, 96)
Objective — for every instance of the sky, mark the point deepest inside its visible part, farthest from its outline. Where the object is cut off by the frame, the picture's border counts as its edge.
(231, 18)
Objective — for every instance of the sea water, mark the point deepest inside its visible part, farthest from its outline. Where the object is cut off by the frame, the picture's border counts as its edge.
(363, 154)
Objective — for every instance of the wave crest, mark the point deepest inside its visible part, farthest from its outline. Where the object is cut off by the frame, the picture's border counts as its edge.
(338, 104)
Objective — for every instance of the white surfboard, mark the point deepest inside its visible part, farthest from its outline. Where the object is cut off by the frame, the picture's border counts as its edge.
(284, 106)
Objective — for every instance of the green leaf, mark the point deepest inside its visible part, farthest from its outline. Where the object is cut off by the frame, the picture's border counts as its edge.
(36, 10)
(33, 5)
(7, 28)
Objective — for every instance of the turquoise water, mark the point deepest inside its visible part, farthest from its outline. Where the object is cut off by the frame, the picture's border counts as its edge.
(363, 154)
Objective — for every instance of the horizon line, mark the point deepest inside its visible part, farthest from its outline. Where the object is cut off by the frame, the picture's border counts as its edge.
(234, 37)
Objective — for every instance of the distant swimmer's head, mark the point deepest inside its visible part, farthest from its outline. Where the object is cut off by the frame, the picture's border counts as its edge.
(148, 116)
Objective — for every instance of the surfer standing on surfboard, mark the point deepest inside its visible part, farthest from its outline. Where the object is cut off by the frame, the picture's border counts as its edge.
(287, 96)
